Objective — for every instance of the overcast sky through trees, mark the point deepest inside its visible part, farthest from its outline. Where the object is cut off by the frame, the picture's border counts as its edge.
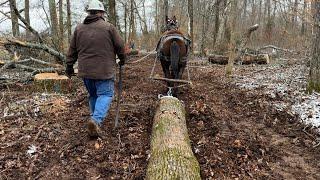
(40, 22)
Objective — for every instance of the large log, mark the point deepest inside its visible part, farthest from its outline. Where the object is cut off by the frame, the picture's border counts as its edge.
(171, 153)
(245, 59)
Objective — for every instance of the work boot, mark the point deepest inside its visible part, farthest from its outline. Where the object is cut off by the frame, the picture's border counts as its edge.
(94, 130)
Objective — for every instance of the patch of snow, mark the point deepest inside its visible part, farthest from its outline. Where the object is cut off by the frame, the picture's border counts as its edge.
(286, 82)
(32, 150)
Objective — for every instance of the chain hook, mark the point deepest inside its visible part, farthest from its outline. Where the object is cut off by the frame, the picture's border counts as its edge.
(169, 93)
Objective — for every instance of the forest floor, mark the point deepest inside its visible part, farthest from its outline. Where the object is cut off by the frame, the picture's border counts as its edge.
(236, 131)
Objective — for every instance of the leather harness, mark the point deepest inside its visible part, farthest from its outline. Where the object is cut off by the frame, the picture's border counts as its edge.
(169, 37)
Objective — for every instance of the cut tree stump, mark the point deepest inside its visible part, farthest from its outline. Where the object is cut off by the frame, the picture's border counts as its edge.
(245, 59)
(171, 152)
(52, 82)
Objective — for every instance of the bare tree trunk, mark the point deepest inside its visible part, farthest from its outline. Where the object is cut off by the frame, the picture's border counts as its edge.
(190, 25)
(112, 12)
(143, 20)
(269, 21)
(260, 11)
(69, 26)
(232, 42)
(54, 23)
(14, 19)
(145, 32)
(216, 22)
(314, 77)
(305, 14)
(294, 14)
(27, 16)
(245, 7)
(126, 22)
(157, 18)
(132, 35)
(253, 12)
(61, 26)
(166, 7)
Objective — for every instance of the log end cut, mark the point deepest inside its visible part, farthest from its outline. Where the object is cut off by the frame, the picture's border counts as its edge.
(52, 82)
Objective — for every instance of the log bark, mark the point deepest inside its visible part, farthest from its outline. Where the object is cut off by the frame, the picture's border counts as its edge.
(245, 59)
(171, 153)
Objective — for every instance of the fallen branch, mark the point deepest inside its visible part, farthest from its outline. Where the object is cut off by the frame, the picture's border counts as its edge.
(38, 70)
(276, 48)
(15, 42)
(18, 64)
(244, 40)
(31, 59)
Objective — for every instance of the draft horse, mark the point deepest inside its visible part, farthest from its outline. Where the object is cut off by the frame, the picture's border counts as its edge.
(172, 51)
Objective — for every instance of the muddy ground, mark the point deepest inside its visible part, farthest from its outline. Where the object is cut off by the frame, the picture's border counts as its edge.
(235, 134)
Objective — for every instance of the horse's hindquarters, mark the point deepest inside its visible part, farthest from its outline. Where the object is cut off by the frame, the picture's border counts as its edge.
(167, 44)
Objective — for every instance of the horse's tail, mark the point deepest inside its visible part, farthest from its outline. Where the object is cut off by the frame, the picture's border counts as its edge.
(174, 58)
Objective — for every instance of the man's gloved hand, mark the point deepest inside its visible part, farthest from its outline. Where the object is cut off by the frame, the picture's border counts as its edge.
(69, 71)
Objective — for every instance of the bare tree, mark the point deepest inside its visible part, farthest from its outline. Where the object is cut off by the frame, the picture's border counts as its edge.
(190, 24)
(112, 12)
(232, 42)
(132, 31)
(61, 26)
(314, 77)
(166, 7)
(14, 19)
(54, 23)
(27, 15)
(69, 20)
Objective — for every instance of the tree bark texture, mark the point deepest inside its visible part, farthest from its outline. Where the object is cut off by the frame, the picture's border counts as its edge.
(314, 77)
(61, 26)
(245, 59)
(69, 26)
(171, 153)
(112, 12)
(190, 26)
(14, 19)
(54, 23)
(27, 15)
(232, 41)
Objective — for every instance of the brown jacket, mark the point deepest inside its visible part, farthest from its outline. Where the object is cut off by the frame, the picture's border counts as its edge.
(95, 44)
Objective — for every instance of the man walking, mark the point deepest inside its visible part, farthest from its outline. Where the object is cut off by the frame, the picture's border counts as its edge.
(94, 45)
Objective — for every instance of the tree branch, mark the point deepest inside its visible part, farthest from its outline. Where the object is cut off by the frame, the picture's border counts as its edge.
(43, 47)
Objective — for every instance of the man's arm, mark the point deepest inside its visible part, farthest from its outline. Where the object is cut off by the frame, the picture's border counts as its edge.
(72, 55)
(118, 44)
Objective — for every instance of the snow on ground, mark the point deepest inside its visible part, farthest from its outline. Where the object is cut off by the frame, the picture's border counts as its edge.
(285, 80)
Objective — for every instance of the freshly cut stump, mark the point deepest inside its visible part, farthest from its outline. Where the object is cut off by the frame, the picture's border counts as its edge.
(52, 82)
(171, 153)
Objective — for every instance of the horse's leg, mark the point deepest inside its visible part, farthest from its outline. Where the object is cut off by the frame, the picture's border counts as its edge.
(181, 69)
(166, 71)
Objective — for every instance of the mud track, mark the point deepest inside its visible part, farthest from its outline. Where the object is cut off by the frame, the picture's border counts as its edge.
(233, 133)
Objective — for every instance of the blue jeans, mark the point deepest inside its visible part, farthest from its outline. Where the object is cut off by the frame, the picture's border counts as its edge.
(100, 97)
